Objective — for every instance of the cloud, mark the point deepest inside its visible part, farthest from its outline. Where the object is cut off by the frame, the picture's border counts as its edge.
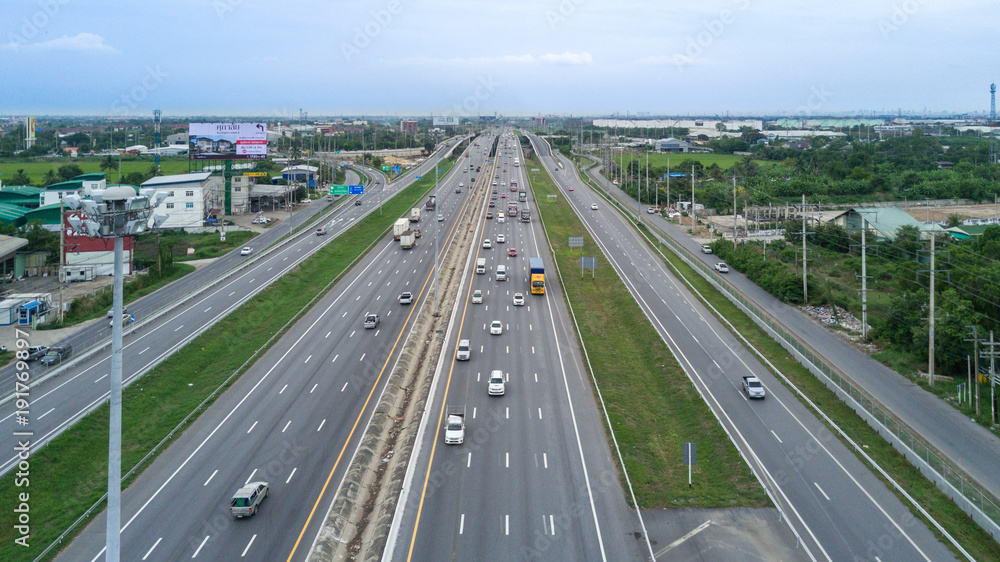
(567, 58)
(82, 42)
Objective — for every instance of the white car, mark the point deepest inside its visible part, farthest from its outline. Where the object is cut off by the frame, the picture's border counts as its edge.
(496, 384)
(594, 207)
(246, 251)
(477, 296)
(518, 299)
(487, 244)
(501, 239)
(722, 268)
(496, 328)
(440, 217)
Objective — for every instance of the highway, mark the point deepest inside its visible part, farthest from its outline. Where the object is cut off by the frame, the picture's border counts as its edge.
(831, 500)
(966, 443)
(174, 315)
(292, 420)
(535, 478)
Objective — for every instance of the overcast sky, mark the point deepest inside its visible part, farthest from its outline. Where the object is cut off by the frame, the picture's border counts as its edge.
(527, 57)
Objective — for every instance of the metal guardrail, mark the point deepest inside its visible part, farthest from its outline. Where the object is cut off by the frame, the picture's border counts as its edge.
(983, 507)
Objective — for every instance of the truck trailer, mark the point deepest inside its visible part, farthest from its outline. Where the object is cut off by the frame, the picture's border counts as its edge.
(415, 214)
(399, 227)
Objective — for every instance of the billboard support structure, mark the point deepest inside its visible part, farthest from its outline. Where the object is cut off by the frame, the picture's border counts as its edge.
(229, 187)
(228, 142)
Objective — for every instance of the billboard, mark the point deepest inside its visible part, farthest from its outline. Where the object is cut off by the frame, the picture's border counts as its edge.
(227, 141)
(451, 121)
(31, 129)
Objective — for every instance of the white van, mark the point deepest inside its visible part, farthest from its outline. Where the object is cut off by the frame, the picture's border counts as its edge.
(501, 273)
(480, 266)
(500, 218)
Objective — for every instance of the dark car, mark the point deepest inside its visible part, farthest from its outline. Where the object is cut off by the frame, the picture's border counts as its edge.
(489, 215)
(357, 203)
(57, 355)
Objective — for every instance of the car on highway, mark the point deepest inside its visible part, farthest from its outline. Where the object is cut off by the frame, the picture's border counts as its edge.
(722, 268)
(651, 211)
(518, 299)
(495, 183)
(593, 207)
(496, 328)
(503, 196)
(477, 296)
(247, 499)
(464, 350)
(246, 251)
(111, 313)
(492, 204)
(487, 244)
(36, 352)
(440, 217)
(321, 231)
(371, 321)
(357, 203)
(496, 384)
(512, 252)
(405, 297)
(56, 355)
(501, 239)
(571, 188)
(501, 218)
(489, 215)
(706, 249)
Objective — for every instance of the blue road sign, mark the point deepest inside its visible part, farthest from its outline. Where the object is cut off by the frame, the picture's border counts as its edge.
(356, 189)
(418, 177)
(396, 168)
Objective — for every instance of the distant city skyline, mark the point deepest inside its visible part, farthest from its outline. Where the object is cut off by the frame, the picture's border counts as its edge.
(525, 58)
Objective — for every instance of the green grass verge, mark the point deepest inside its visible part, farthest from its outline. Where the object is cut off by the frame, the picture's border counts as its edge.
(960, 525)
(653, 407)
(70, 474)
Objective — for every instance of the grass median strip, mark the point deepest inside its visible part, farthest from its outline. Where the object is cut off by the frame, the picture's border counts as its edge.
(653, 407)
(70, 474)
(960, 525)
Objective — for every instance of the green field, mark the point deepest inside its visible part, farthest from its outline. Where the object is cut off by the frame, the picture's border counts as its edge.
(653, 407)
(724, 161)
(35, 169)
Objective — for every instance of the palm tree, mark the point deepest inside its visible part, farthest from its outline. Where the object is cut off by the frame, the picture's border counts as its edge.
(153, 171)
(50, 178)
(109, 163)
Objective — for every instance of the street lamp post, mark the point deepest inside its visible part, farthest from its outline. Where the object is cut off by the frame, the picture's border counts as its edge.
(115, 212)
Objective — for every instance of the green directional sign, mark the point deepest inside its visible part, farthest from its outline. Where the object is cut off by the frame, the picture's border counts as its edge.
(385, 168)
(338, 190)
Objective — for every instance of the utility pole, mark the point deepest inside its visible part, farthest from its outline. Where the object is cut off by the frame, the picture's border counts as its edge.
(864, 280)
(805, 282)
(930, 343)
(993, 379)
(692, 202)
(735, 230)
(975, 355)
(62, 254)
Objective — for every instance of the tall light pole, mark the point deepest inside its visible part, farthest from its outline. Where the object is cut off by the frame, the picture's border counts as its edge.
(115, 212)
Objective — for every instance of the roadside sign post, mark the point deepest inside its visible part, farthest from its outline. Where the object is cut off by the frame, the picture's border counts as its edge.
(588, 263)
(690, 458)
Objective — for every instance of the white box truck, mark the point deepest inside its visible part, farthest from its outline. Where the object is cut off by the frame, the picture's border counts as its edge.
(407, 240)
(480, 266)
(400, 226)
(415, 214)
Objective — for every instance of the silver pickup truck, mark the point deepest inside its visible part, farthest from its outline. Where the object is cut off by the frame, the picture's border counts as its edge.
(753, 387)
(371, 321)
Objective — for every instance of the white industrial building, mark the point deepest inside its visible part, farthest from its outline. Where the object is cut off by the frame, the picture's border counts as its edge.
(188, 195)
(672, 145)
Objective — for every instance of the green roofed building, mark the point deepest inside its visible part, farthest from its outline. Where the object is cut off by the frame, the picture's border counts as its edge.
(80, 184)
(15, 214)
(965, 232)
(883, 222)
(23, 195)
(48, 215)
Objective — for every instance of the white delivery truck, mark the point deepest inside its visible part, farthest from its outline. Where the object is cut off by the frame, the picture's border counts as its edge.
(399, 227)
(480, 266)
(415, 214)
(407, 240)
